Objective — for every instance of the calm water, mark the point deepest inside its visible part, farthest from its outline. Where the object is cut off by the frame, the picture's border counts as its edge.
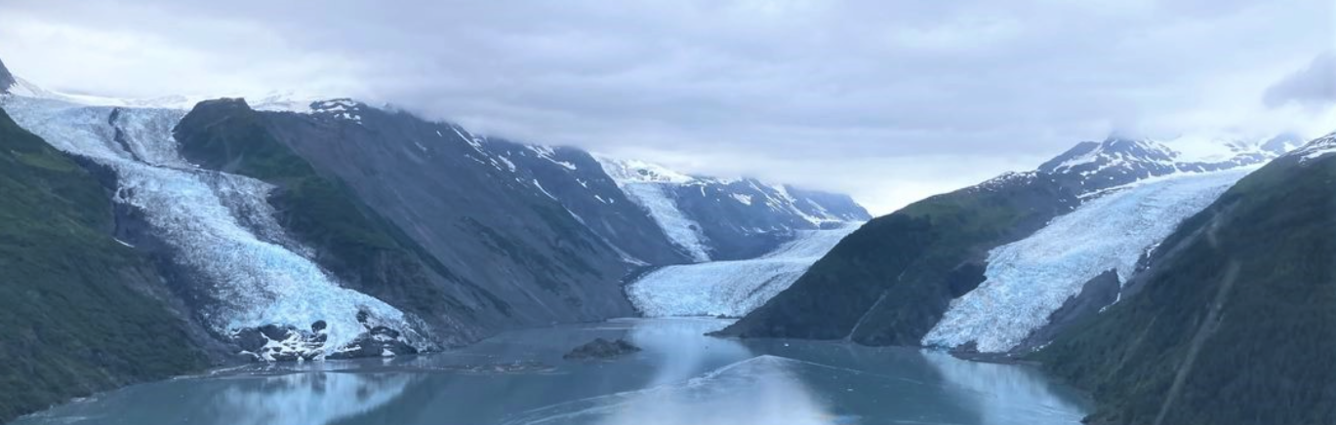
(681, 377)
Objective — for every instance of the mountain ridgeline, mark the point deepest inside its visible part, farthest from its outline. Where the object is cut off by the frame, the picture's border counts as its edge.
(6, 79)
(333, 229)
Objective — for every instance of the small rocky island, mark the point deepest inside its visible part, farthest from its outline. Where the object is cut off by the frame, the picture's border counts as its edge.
(601, 349)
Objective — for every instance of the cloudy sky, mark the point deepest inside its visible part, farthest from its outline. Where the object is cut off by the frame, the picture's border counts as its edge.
(888, 100)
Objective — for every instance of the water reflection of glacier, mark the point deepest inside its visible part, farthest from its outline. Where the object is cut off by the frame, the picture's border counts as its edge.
(1004, 394)
(759, 390)
(681, 350)
(315, 398)
(680, 377)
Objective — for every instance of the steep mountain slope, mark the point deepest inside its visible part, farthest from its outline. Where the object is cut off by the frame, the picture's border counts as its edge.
(889, 281)
(893, 280)
(1233, 321)
(731, 288)
(1027, 281)
(6, 79)
(577, 180)
(486, 228)
(79, 310)
(358, 246)
(727, 219)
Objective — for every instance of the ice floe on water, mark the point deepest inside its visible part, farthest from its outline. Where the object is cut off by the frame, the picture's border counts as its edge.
(219, 226)
(1028, 280)
(731, 288)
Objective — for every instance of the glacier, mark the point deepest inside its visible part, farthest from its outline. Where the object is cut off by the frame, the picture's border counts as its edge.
(731, 288)
(219, 226)
(651, 187)
(1026, 281)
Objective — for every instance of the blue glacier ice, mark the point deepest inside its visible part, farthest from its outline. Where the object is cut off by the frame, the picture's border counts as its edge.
(1028, 280)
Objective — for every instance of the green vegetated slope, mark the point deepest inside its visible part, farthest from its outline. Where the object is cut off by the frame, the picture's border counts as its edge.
(72, 319)
(1235, 321)
(361, 248)
(892, 279)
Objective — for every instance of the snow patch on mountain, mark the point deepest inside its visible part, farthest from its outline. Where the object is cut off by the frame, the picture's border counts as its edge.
(630, 170)
(778, 198)
(1026, 281)
(345, 109)
(1114, 153)
(219, 226)
(1316, 148)
(731, 288)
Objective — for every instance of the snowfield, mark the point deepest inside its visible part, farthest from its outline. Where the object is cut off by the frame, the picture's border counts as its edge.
(1026, 281)
(220, 227)
(731, 288)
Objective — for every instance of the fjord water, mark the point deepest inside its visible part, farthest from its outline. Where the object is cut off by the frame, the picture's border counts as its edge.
(680, 377)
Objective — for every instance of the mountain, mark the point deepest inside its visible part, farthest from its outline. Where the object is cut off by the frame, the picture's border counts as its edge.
(576, 180)
(1232, 319)
(895, 279)
(889, 281)
(727, 219)
(1117, 161)
(1078, 261)
(81, 311)
(292, 229)
(6, 79)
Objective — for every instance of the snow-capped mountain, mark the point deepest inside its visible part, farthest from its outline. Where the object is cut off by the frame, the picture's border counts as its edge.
(1003, 265)
(726, 219)
(1091, 166)
(1027, 281)
(1316, 148)
(1153, 188)
(1222, 319)
(573, 178)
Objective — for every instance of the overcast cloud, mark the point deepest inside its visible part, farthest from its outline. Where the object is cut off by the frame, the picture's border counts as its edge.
(889, 101)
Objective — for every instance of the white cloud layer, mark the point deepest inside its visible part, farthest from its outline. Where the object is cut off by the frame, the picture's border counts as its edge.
(889, 101)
